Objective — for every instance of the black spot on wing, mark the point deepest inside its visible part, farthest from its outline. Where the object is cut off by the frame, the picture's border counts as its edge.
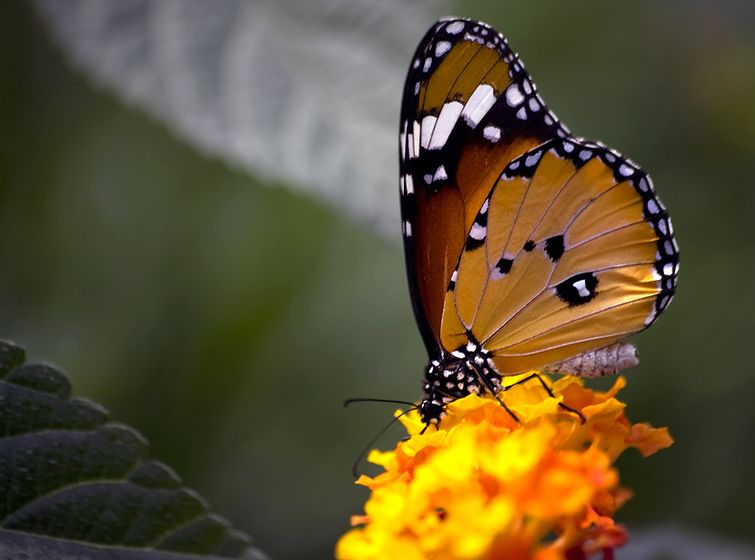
(504, 266)
(473, 243)
(529, 246)
(554, 247)
(578, 289)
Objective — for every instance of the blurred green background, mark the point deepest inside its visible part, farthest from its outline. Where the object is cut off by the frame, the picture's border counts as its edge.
(227, 319)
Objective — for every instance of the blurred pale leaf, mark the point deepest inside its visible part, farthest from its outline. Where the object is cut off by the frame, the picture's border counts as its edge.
(304, 93)
(75, 485)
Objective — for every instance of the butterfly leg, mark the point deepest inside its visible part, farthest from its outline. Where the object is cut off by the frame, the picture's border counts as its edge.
(548, 390)
(489, 386)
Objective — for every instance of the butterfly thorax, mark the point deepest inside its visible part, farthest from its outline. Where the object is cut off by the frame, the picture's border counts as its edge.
(467, 370)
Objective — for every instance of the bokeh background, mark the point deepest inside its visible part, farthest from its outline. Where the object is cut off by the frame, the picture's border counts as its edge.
(227, 316)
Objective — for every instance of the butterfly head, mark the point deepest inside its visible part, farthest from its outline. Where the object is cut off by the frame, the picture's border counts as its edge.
(467, 370)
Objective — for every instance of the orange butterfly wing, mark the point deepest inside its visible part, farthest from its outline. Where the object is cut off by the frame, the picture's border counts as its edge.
(469, 108)
(519, 237)
(571, 251)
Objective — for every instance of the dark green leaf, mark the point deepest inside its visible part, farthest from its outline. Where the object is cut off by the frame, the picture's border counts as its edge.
(76, 485)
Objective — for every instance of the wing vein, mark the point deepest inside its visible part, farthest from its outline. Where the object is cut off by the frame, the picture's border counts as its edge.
(456, 80)
(580, 318)
(523, 307)
(565, 344)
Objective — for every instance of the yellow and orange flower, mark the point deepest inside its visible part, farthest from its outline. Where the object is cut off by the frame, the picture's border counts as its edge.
(483, 486)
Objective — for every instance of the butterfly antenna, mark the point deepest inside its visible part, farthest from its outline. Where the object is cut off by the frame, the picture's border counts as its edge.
(348, 402)
(367, 447)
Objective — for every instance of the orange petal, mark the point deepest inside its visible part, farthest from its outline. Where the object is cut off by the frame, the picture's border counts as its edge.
(649, 440)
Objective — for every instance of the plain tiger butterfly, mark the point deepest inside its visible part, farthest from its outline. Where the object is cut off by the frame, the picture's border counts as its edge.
(527, 248)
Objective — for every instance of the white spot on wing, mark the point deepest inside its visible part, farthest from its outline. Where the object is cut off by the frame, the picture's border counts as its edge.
(581, 288)
(442, 48)
(533, 159)
(447, 118)
(478, 104)
(440, 174)
(455, 27)
(477, 232)
(428, 125)
(428, 63)
(415, 140)
(409, 184)
(407, 229)
(474, 38)
(402, 140)
(625, 170)
(492, 133)
(514, 97)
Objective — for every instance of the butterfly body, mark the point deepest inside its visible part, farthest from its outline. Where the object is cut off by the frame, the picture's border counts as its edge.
(467, 370)
(527, 248)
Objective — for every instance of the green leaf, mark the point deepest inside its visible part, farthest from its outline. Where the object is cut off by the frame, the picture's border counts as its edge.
(73, 484)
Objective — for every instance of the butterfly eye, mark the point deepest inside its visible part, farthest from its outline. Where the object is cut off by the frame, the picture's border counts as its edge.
(525, 246)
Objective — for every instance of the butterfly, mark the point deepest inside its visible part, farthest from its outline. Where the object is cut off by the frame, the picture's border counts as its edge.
(527, 248)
